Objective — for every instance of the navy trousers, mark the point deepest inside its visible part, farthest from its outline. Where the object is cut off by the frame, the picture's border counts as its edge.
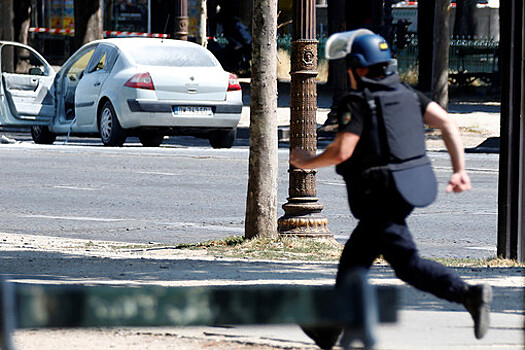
(382, 230)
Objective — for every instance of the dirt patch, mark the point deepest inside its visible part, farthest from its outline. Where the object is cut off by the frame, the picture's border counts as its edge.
(130, 339)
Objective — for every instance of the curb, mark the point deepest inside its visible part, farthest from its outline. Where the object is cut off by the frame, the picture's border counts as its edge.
(490, 145)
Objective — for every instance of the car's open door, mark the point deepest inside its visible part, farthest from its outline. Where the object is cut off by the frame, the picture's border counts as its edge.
(26, 86)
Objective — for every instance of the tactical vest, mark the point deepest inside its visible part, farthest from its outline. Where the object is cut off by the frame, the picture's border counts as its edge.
(391, 150)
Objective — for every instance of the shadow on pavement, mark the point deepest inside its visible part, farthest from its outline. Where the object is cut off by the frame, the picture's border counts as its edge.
(55, 267)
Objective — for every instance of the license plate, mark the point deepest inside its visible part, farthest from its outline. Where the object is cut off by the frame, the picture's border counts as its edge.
(192, 110)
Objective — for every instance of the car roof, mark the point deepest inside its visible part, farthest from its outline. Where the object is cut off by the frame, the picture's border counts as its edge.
(125, 43)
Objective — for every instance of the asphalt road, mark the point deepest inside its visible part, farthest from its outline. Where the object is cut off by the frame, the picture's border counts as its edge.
(186, 192)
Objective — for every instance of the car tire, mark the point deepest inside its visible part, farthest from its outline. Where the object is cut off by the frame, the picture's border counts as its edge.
(42, 135)
(109, 127)
(223, 138)
(151, 139)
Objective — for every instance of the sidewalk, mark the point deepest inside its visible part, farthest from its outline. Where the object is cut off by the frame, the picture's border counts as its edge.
(425, 322)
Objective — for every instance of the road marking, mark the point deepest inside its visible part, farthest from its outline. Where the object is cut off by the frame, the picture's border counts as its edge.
(492, 249)
(199, 226)
(75, 188)
(332, 183)
(157, 173)
(76, 218)
(469, 170)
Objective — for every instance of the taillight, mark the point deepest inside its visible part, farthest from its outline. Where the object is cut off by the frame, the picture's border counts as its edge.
(140, 81)
(233, 83)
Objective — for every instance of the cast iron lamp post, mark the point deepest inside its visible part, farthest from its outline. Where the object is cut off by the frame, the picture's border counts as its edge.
(181, 20)
(303, 210)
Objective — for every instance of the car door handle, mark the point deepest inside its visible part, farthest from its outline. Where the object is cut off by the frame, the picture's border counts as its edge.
(96, 84)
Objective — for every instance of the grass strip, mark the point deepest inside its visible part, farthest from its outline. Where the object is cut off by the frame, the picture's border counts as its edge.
(311, 249)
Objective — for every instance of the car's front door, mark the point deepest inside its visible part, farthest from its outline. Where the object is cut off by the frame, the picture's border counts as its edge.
(88, 89)
(68, 79)
(26, 86)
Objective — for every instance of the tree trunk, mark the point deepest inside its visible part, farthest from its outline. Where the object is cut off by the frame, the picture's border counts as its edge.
(7, 32)
(441, 48)
(261, 203)
(425, 30)
(6, 22)
(464, 24)
(337, 75)
(88, 22)
(202, 37)
(245, 12)
(22, 20)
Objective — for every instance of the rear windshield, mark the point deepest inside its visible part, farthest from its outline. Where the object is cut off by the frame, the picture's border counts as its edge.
(159, 55)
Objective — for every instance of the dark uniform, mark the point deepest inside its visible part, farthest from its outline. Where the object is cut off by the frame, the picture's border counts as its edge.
(387, 176)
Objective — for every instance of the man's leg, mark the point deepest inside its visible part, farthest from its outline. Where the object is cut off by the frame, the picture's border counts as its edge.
(400, 251)
(358, 253)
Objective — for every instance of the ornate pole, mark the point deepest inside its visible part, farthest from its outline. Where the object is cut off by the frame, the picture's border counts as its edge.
(302, 211)
(181, 20)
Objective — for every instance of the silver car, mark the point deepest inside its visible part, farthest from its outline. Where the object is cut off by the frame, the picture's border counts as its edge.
(115, 88)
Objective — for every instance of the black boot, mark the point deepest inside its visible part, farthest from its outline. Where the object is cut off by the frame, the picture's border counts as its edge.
(324, 337)
(477, 302)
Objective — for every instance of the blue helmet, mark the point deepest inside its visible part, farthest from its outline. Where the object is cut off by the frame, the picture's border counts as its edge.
(368, 50)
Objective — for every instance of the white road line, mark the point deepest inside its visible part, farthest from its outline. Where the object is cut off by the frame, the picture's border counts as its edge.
(75, 188)
(157, 173)
(482, 248)
(76, 218)
(332, 183)
(172, 225)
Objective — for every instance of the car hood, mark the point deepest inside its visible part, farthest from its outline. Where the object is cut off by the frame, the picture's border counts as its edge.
(189, 83)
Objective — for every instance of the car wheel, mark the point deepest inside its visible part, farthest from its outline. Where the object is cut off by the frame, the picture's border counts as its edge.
(151, 139)
(111, 132)
(42, 135)
(223, 138)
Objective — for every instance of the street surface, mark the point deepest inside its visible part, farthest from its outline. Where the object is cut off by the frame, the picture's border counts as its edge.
(60, 202)
(187, 192)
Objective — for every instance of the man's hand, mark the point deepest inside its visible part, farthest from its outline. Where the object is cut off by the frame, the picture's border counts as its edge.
(298, 157)
(459, 182)
(335, 153)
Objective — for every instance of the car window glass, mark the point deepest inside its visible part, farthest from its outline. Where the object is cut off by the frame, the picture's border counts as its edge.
(19, 60)
(112, 54)
(101, 63)
(74, 72)
(97, 61)
(159, 55)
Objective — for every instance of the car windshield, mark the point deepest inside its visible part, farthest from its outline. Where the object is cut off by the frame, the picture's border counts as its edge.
(172, 56)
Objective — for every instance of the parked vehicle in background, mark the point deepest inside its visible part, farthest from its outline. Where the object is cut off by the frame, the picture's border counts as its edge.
(121, 87)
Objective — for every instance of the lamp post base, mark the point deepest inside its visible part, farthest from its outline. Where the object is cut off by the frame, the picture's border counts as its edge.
(303, 219)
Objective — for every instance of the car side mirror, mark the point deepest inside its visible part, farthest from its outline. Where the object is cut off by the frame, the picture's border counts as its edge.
(36, 71)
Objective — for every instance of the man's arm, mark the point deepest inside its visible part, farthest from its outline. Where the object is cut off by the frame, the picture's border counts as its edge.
(437, 117)
(337, 152)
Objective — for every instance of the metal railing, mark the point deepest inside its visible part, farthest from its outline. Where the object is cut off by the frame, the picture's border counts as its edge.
(469, 58)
